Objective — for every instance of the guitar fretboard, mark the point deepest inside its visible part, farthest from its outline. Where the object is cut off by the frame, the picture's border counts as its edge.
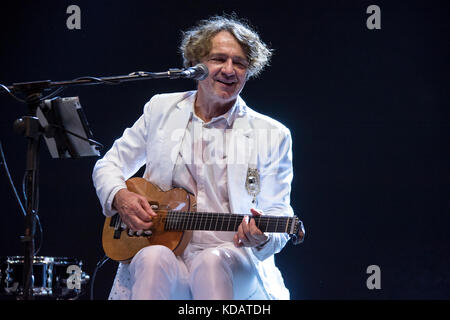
(178, 220)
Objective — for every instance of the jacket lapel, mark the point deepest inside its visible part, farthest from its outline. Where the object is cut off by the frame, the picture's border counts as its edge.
(240, 151)
(172, 136)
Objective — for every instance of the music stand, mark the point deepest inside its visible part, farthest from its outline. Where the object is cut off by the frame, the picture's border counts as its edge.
(67, 133)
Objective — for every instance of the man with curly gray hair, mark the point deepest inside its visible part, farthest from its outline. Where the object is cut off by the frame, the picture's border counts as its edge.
(231, 158)
(196, 43)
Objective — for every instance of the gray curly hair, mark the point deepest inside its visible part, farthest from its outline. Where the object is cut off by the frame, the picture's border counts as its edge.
(196, 42)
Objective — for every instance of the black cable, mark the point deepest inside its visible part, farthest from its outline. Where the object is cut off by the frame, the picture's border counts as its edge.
(41, 232)
(78, 136)
(100, 263)
(98, 80)
(11, 94)
(58, 90)
(54, 93)
(39, 99)
(22, 208)
(41, 235)
(11, 183)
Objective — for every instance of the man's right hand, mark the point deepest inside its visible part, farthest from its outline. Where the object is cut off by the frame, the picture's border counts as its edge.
(134, 210)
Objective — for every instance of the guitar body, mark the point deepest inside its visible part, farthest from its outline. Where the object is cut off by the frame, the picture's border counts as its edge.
(124, 247)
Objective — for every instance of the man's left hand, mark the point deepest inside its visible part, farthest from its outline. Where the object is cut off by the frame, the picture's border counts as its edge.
(248, 234)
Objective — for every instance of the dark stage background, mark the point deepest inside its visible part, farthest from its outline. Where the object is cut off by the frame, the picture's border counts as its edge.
(368, 111)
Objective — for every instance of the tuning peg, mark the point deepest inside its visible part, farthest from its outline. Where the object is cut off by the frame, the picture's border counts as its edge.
(299, 236)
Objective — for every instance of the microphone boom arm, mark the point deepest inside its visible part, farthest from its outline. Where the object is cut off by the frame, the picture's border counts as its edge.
(198, 72)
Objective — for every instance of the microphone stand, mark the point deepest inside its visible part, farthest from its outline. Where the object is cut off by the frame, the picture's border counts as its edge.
(30, 127)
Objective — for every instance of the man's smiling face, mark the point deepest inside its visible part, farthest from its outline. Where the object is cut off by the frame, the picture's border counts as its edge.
(228, 65)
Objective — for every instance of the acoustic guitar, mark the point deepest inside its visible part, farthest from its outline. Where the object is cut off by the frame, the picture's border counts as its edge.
(176, 219)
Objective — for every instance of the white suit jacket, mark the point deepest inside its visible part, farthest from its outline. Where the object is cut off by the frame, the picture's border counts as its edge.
(155, 139)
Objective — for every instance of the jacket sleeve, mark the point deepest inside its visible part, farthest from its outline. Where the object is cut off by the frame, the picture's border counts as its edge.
(126, 157)
(276, 175)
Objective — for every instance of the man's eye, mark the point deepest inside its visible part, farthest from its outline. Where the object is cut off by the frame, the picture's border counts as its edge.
(241, 65)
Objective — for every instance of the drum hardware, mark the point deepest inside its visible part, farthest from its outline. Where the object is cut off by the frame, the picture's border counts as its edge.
(58, 278)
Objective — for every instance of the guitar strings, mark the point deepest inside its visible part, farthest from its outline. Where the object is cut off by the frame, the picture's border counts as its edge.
(177, 219)
(177, 216)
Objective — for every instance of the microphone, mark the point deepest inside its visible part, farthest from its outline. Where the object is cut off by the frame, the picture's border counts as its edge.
(197, 72)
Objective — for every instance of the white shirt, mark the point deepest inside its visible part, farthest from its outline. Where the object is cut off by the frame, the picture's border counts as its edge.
(201, 169)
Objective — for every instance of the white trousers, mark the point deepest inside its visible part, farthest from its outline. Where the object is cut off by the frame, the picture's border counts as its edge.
(219, 273)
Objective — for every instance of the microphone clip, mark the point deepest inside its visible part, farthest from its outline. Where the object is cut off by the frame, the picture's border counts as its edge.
(176, 73)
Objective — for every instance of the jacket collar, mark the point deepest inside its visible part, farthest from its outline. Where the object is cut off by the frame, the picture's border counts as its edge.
(239, 109)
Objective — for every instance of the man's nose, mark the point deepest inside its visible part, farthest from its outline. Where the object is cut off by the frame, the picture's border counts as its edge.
(228, 67)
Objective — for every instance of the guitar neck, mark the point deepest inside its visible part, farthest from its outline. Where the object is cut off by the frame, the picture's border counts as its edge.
(177, 220)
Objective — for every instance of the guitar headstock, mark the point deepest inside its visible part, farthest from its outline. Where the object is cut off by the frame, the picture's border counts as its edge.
(299, 232)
